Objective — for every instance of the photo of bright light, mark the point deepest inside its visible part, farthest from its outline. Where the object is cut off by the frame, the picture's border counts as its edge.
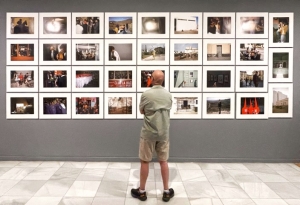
(55, 25)
(153, 25)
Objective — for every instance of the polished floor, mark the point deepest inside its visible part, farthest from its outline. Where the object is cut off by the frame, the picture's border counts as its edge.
(85, 183)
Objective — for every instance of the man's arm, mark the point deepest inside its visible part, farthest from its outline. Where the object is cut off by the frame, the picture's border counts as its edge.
(143, 102)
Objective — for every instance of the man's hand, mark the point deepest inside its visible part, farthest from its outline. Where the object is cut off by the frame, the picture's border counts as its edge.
(142, 112)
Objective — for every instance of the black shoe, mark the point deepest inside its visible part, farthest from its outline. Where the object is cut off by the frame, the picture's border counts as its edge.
(167, 196)
(135, 193)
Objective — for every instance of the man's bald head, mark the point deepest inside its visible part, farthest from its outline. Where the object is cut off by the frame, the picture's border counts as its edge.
(158, 77)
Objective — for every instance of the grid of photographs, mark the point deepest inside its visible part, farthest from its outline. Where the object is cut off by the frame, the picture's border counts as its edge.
(96, 65)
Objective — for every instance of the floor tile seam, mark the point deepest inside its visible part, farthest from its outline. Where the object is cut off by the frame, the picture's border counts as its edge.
(10, 168)
(285, 183)
(282, 175)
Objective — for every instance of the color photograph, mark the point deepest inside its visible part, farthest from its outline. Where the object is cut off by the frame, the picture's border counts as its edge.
(87, 79)
(87, 25)
(219, 25)
(22, 25)
(281, 64)
(120, 79)
(146, 78)
(217, 105)
(120, 52)
(87, 52)
(153, 25)
(153, 52)
(252, 25)
(55, 106)
(281, 29)
(22, 52)
(24, 106)
(55, 25)
(55, 52)
(186, 52)
(120, 25)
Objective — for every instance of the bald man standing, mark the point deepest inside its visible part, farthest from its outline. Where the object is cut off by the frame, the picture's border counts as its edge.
(155, 104)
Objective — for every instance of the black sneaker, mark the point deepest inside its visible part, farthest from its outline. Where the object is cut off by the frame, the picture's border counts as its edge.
(135, 193)
(167, 196)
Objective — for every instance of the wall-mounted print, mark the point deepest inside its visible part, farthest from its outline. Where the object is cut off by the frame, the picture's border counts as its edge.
(120, 79)
(87, 25)
(186, 52)
(87, 106)
(218, 105)
(55, 52)
(281, 64)
(22, 106)
(153, 52)
(55, 25)
(185, 79)
(252, 106)
(153, 25)
(252, 25)
(87, 52)
(219, 25)
(281, 31)
(22, 25)
(281, 100)
(144, 77)
(251, 79)
(218, 52)
(87, 79)
(186, 25)
(186, 106)
(251, 52)
(22, 79)
(120, 52)
(22, 52)
(120, 105)
(218, 78)
(120, 25)
(55, 106)
(55, 79)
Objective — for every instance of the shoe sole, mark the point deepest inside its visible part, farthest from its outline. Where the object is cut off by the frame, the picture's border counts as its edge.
(167, 199)
(142, 199)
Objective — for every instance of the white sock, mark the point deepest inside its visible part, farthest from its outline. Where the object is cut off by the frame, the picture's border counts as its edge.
(142, 191)
(167, 191)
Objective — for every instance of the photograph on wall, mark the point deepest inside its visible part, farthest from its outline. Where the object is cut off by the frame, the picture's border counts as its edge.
(120, 25)
(87, 79)
(55, 105)
(153, 52)
(120, 105)
(87, 25)
(55, 25)
(186, 25)
(22, 79)
(87, 52)
(55, 79)
(218, 105)
(22, 25)
(120, 52)
(186, 106)
(251, 52)
(22, 52)
(252, 79)
(55, 52)
(281, 64)
(120, 79)
(252, 106)
(87, 106)
(21, 105)
(252, 25)
(281, 27)
(219, 25)
(218, 52)
(185, 79)
(153, 25)
(186, 52)
(281, 100)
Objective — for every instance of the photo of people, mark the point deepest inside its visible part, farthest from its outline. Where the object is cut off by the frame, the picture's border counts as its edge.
(186, 105)
(186, 25)
(251, 78)
(120, 105)
(120, 52)
(252, 25)
(217, 105)
(55, 52)
(252, 105)
(55, 106)
(281, 30)
(87, 25)
(219, 25)
(153, 25)
(185, 78)
(87, 105)
(146, 78)
(120, 79)
(219, 52)
(120, 25)
(280, 65)
(55, 78)
(280, 103)
(218, 78)
(22, 78)
(87, 52)
(22, 52)
(186, 51)
(55, 25)
(22, 25)
(252, 51)
(22, 105)
(153, 52)
(87, 79)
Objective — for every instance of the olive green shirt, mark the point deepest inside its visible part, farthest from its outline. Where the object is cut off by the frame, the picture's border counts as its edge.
(156, 104)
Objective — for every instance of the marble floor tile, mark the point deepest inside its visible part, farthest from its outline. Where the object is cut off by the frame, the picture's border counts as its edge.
(205, 201)
(241, 176)
(259, 191)
(51, 164)
(17, 173)
(134, 175)
(178, 188)
(292, 201)
(119, 165)
(114, 201)
(297, 184)
(291, 176)
(170, 164)
(29, 164)
(187, 165)
(269, 176)
(3, 170)
(116, 175)
(211, 166)
(6, 185)
(66, 174)
(112, 189)
(229, 190)
(192, 175)
(14, 200)
(41, 174)
(174, 175)
(174, 201)
(74, 165)
(137, 165)
(218, 176)
(25, 188)
(285, 190)
(90, 174)
(83, 189)
(133, 201)
(280, 166)
(235, 166)
(295, 167)
(270, 202)
(257, 166)
(8, 163)
(200, 190)
(150, 189)
(97, 165)
(76, 201)
(238, 202)
(54, 188)
(44, 201)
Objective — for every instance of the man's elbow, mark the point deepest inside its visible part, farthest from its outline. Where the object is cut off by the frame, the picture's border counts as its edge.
(142, 112)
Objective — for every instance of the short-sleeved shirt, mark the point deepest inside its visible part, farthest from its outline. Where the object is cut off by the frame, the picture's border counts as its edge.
(156, 104)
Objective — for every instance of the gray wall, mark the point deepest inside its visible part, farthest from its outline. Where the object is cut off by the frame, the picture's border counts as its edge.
(117, 140)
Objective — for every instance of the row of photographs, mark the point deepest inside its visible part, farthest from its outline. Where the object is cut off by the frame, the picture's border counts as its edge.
(148, 52)
(278, 104)
(154, 25)
(138, 79)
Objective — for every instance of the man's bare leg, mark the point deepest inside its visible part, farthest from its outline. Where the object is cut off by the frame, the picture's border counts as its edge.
(164, 168)
(144, 174)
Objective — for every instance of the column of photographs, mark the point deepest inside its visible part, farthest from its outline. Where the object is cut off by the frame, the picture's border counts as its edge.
(230, 66)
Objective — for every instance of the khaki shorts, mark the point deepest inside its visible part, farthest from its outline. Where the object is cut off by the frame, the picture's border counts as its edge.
(147, 148)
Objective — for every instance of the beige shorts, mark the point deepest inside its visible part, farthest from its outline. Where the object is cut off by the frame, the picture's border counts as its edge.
(147, 148)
